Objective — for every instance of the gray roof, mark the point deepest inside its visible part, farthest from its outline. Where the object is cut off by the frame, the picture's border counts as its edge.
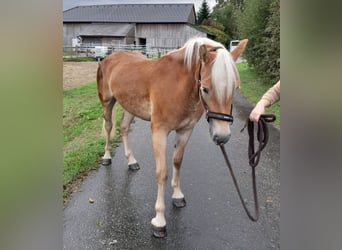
(132, 13)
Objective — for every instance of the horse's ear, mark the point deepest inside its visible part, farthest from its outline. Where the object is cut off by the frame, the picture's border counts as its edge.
(203, 52)
(237, 80)
(239, 49)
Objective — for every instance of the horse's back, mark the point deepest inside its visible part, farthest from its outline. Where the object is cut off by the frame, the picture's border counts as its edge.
(127, 56)
(123, 73)
(162, 87)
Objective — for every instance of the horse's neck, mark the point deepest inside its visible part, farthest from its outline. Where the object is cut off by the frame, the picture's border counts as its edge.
(191, 85)
(178, 56)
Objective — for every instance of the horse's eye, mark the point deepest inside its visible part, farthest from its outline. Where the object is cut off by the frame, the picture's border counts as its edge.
(205, 90)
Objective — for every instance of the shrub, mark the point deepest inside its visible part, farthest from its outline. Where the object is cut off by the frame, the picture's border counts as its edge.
(259, 22)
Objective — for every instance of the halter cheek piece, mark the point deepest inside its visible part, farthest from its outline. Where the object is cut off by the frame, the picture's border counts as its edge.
(209, 114)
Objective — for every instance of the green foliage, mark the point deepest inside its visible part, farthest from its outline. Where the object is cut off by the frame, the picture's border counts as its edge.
(236, 4)
(226, 13)
(214, 27)
(220, 36)
(79, 59)
(272, 41)
(203, 13)
(253, 88)
(259, 22)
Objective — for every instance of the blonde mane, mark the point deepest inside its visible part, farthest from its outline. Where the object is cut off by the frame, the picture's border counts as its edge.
(224, 73)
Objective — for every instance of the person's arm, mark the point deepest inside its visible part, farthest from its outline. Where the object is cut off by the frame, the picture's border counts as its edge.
(270, 97)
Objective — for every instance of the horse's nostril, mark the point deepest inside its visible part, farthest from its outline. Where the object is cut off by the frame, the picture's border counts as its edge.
(220, 140)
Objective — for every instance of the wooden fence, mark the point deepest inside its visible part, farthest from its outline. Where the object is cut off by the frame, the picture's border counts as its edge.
(90, 51)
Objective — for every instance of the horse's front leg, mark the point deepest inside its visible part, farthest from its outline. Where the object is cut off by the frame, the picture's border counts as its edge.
(181, 139)
(159, 138)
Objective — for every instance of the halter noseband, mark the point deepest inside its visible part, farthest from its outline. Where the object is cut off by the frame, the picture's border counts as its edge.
(209, 114)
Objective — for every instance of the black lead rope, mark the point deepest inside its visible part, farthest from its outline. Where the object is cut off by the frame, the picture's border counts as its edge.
(254, 157)
(262, 136)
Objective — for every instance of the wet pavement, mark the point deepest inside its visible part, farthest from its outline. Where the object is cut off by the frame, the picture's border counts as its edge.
(120, 217)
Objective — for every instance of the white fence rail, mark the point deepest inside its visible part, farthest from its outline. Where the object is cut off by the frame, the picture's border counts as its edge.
(107, 49)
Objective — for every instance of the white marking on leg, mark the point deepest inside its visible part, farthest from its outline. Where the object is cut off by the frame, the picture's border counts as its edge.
(107, 146)
(159, 139)
(107, 155)
(181, 139)
(128, 152)
(159, 220)
(107, 109)
(126, 121)
(177, 192)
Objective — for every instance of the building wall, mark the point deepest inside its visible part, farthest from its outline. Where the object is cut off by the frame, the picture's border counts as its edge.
(156, 35)
(98, 33)
(167, 35)
(69, 32)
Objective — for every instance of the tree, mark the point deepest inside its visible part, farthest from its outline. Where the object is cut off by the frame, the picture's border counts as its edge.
(236, 4)
(226, 12)
(203, 12)
(205, 22)
(220, 36)
(272, 42)
(259, 22)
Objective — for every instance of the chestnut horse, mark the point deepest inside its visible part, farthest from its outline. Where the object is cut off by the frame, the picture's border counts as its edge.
(172, 93)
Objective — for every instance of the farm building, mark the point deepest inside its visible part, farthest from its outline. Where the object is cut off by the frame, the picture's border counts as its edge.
(150, 25)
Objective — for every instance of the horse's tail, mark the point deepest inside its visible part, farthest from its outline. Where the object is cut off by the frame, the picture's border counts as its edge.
(99, 79)
(103, 92)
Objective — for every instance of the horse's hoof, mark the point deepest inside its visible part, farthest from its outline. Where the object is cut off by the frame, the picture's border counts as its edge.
(134, 166)
(179, 202)
(106, 161)
(159, 232)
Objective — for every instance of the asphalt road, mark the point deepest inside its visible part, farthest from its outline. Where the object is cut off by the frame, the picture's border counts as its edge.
(213, 218)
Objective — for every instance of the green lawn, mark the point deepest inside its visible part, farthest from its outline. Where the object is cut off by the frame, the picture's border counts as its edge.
(253, 88)
(78, 59)
(82, 125)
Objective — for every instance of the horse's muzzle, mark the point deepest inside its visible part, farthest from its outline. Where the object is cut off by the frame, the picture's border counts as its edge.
(219, 132)
(220, 140)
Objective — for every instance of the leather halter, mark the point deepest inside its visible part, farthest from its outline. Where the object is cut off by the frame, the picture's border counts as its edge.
(209, 114)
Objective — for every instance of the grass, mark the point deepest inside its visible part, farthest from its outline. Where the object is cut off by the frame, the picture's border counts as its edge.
(83, 143)
(252, 88)
(78, 59)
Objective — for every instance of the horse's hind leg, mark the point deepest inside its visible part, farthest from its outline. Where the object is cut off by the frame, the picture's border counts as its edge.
(112, 134)
(107, 108)
(181, 139)
(126, 121)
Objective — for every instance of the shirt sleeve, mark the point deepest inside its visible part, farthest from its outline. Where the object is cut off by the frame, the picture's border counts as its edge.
(273, 94)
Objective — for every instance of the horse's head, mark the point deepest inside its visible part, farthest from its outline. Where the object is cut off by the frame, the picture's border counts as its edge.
(217, 80)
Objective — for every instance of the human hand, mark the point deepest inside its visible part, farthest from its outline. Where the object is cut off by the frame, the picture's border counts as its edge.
(258, 110)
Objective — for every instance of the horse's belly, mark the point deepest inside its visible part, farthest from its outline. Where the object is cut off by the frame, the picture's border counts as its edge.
(137, 107)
